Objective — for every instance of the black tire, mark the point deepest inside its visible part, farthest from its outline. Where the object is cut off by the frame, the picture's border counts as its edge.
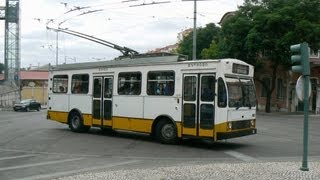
(76, 123)
(27, 109)
(166, 132)
(39, 107)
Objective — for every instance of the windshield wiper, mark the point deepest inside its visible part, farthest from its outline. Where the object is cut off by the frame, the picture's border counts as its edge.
(238, 105)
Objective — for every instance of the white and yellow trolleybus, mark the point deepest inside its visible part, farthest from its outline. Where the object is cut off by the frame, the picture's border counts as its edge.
(165, 96)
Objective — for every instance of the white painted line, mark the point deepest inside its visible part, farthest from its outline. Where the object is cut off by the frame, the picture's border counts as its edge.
(75, 172)
(16, 157)
(241, 156)
(39, 164)
(50, 153)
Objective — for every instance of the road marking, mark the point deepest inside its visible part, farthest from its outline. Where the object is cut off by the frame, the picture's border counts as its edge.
(75, 172)
(16, 157)
(38, 164)
(241, 156)
(50, 153)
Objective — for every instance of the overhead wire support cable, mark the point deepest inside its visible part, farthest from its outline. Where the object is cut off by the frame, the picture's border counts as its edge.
(77, 8)
(91, 11)
(152, 3)
(128, 1)
(124, 50)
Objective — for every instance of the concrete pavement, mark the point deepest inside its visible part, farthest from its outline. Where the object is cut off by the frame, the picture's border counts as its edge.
(217, 171)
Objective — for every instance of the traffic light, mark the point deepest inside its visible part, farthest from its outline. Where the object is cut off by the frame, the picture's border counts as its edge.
(300, 59)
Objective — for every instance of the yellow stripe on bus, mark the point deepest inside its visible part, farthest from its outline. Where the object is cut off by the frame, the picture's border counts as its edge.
(133, 124)
(206, 132)
(58, 116)
(137, 124)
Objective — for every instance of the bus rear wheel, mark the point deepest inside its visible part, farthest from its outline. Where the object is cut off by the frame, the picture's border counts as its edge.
(166, 132)
(76, 123)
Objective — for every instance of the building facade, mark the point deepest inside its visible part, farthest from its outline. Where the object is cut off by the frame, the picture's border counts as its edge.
(284, 97)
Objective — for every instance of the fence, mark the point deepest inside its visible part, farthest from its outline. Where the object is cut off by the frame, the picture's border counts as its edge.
(8, 98)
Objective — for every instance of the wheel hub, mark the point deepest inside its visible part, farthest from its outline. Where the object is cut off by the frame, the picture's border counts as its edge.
(167, 131)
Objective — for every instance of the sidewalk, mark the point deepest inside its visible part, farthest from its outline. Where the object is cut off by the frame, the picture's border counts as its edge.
(285, 113)
(217, 171)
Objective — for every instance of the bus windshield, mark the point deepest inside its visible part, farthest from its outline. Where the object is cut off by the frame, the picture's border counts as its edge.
(241, 92)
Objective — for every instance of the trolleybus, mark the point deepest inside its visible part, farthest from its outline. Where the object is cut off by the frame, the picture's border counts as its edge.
(164, 95)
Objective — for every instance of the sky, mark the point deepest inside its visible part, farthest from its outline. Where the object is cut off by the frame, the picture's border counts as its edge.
(142, 28)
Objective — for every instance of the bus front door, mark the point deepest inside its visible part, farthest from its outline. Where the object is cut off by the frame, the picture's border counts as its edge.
(198, 105)
(102, 101)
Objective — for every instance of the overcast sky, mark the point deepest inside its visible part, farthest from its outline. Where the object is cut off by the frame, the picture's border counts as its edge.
(142, 28)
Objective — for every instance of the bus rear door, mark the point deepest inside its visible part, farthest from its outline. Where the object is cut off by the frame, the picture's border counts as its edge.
(102, 101)
(198, 105)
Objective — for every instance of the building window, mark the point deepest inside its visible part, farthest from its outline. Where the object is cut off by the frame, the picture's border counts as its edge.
(80, 83)
(160, 83)
(281, 89)
(60, 84)
(267, 82)
(129, 83)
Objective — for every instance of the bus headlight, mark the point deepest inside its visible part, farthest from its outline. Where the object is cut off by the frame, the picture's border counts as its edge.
(252, 123)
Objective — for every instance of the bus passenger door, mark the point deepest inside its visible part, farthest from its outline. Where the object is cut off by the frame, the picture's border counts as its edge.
(198, 104)
(107, 100)
(102, 101)
(206, 107)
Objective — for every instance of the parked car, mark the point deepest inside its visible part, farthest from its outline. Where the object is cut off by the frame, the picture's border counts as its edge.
(27, 105)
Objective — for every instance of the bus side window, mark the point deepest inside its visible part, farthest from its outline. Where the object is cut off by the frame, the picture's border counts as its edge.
(222, 93)
(129, 83)
(160, 83)
(60, 83)
(80, 83)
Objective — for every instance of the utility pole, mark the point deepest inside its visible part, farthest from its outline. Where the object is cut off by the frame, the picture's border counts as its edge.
(194, 39)
(57, 47)
(194, 46)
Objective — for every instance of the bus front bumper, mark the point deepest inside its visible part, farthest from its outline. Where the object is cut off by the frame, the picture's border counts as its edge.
(229, 135)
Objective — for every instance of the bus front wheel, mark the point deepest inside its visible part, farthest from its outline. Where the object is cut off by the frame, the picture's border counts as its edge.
(166, 132)
(76, 123)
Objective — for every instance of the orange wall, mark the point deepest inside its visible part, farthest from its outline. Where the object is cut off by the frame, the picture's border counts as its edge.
(38, 93)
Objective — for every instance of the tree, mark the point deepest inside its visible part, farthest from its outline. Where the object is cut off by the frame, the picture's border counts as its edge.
(205, 36)
(262, 31)
(211, 52)
(1, 68)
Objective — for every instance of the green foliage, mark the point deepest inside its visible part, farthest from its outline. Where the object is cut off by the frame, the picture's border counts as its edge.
(204, 38)
(185, 46)
(210, 53)
(260, 31)
(265, 29)
(234, 35)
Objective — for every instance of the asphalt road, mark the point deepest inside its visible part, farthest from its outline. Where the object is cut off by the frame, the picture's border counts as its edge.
(32, 147)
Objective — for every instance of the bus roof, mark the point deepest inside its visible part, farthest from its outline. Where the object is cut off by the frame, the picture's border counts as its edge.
(144, 59)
